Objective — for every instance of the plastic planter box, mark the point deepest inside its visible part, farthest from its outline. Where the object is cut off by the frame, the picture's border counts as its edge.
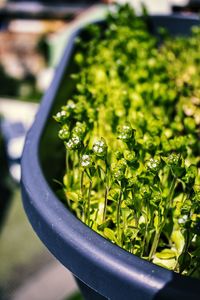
(107, 270)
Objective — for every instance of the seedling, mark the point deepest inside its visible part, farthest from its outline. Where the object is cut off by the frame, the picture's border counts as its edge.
(132, 139)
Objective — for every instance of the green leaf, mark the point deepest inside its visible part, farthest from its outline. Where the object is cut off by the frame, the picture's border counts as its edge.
(110, 234)
(72, 196)
(178, 239)
(166, 254)
(65, 180)
(156, 222)
(169, 264)
(104, 225)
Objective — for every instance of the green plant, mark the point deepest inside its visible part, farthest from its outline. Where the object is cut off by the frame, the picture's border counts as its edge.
(131, 134)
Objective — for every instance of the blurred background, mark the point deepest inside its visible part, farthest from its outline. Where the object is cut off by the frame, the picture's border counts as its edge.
(33, 35)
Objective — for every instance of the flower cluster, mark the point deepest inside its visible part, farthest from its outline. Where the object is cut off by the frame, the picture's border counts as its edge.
(132, 144)
(86, 161)
(100, 147)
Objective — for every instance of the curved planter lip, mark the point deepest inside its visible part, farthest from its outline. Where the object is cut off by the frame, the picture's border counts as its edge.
(103, 266)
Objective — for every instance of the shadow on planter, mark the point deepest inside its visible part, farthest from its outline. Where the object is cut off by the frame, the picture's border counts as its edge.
(105, 268)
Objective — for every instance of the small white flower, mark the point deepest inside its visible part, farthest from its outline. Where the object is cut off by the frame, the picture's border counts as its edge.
(183, 219)
(100, 147)
(71, 105)
(97, 149)
(86, 160)
(85, 157)
(153, 164)
(76, 140)
(69, 144)
(101, 143)
(73, 143)
(61, 114)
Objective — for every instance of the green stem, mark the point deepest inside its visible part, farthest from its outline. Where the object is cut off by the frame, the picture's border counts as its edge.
(169, 199)
(145, 240)
(82, 194)
(135, 212)
(105, 203)
(119, 213)
(68, 176)
(68, 201)
(171, 191)
(81, 184)
(154, 244)
(169, 204)
(88, 202)
(67, 161)
(106, 190)
(95, 218)
(73, 169)
(67, 168)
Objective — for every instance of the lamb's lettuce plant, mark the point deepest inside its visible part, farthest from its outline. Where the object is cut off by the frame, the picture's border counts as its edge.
(132, 139)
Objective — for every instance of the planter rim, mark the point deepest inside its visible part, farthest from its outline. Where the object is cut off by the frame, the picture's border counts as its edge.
(73, 243)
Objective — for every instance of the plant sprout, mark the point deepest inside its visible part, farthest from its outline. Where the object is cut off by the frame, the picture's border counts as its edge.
(132, 140)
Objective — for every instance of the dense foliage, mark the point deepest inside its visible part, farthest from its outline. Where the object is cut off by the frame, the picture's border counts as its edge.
(132, 139)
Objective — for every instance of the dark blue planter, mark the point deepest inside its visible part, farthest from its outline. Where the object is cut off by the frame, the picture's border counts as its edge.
(102, 266)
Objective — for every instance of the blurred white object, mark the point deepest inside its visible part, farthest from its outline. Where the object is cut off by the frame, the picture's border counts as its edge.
(155, 6)
(17, 118)
(15, 146)
(18, 111)
(44, 78)
(178, 2)
(15, 171)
